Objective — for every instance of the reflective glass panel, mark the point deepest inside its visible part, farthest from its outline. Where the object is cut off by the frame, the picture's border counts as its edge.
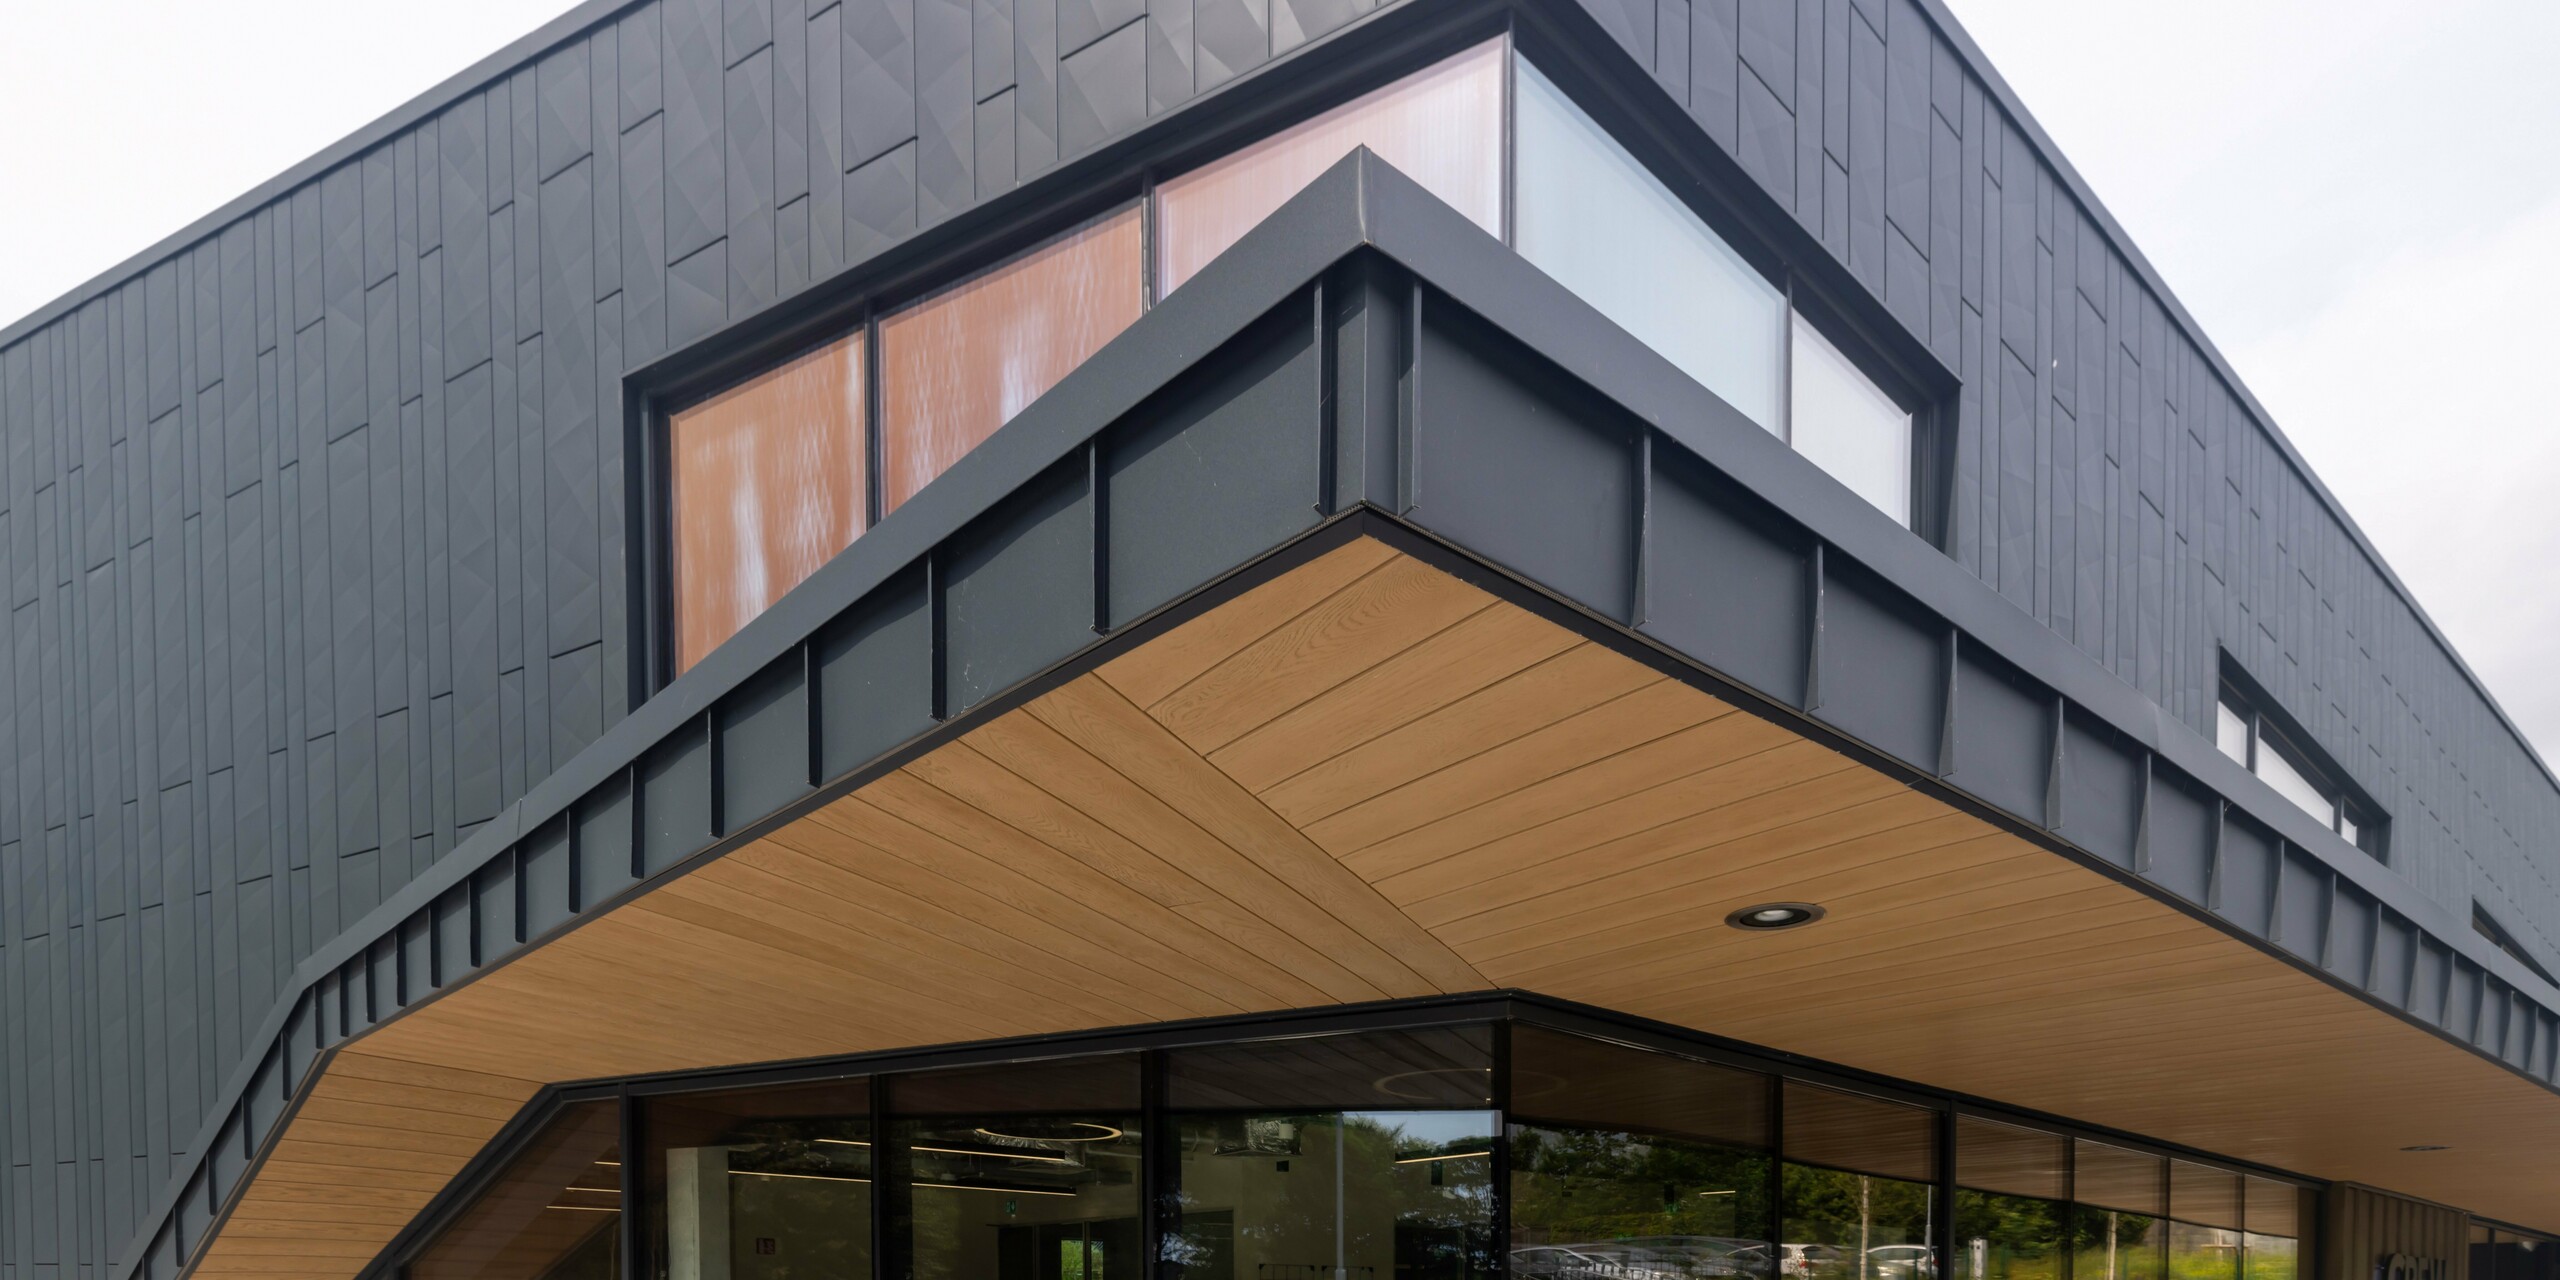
(767, 483)
(1592, 216)
(2291, 783)
(1865, 1216)
(2266, 1257)
(2484, 1254)
(2203, 1253)
(1991, 1156)
(2111, 1244)
(1023, 1172)
(1628, 1165)
(1441, 126)
(761, 1184)
(552, 1215)
(958, 365)
(2008, 1237)
(2117, 1178)
(1847, 425)
(2231, 732)
(1363, 1157)
(2203, 1194)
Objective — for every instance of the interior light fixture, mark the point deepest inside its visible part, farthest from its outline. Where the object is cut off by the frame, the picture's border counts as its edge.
(1426, 1084)
(1769, 916)
(1062, 1131)
(999, 1153)
(1446, 1155)
(801, 1177)
(2427, 1146)
(585, 1208)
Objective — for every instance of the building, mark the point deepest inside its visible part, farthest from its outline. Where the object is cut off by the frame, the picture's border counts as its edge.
(1634, 621)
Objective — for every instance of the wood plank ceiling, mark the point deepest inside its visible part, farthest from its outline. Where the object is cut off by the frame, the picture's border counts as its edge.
(1367, 779)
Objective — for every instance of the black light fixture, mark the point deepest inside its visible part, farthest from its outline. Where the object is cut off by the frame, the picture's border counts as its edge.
(2427, 1146)
(1770, 916)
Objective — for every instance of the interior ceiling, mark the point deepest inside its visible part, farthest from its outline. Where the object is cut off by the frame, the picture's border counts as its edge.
(1367, 779)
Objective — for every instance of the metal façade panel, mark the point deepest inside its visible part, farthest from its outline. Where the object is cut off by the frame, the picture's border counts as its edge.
(2000, 739)
(1214, 469)
(764, 742)
(2102, 789)
(1018, 590)
(1048, 442)
(1882, 668)
(1710, 545)
(874, 673)
(1505, 462)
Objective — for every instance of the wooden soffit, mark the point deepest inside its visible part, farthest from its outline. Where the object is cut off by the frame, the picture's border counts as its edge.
(1367, 779)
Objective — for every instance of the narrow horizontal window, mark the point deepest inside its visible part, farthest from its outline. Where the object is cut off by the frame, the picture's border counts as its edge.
(1441, 126)
(767, 482)
(1847, 425)
(1592, 216)
(958, 365)
(2243, 732)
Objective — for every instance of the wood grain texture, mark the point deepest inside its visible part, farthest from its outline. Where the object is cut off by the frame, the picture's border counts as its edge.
(1367, 780)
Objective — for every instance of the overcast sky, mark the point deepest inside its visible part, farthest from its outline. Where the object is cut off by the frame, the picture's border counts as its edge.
(2359, 199)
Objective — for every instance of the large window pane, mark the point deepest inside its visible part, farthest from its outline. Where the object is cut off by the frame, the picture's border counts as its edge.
(1627, 1165)
(2290, 781)
(768, 483)
(1021, 1173)
(2112, 1244)
(1592, 216)
(773, 1183)
(1847, 425)
(1442, 127)
(552, 1215)
(1363, 1157)
(961, 363)
(1859, 1187)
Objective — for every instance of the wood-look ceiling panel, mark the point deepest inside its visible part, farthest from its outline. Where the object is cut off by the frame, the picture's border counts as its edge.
(1366, 779)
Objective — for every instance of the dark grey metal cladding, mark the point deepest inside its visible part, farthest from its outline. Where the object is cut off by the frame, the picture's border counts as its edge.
(2015, 727)
(274, 650)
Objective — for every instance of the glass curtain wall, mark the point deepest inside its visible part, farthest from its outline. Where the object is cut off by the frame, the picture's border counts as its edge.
(1375, 1155)
(1362, 1157)
(1633, 1164)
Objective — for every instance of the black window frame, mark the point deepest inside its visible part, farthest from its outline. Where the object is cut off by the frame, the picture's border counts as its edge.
(1499, 1010)
(2271, 729)
(1567, 49)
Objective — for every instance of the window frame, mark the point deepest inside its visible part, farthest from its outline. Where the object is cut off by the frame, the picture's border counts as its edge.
(2269, 730)
(1500, 1012)
(985, 238)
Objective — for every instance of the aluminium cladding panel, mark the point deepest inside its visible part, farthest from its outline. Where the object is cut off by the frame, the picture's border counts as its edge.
(372, 408)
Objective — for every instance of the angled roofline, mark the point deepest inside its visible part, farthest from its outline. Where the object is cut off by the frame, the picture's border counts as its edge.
(2007, 97)
(1360, 205)
(527, 50)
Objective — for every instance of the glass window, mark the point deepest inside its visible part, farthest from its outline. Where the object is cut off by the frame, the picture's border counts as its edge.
(1023, 1172)
(1441, 126)
(958, 365)
(2231, 732)
(2010, 1219)
(2289, 780)
(768, 1182)
(1592, 216)
(1858, 1187)
(768, 482)
(1629, 1165)
(2117, 1231)
(1360, 1157)
(552, 1215)
(1847, 425)
(2204, 1207)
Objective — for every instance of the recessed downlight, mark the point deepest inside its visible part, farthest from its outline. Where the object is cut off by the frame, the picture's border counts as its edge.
(1769, 916)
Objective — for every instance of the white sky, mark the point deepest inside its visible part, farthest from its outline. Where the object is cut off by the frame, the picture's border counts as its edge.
(2360, 200)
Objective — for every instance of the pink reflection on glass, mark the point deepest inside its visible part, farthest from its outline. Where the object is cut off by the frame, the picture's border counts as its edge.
(1441, 126)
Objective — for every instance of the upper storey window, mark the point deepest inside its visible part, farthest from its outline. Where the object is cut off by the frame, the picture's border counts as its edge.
(1591, 215)
(767, 481)
(2299, 774)
(772, 477)
(1441, 126)
(963, 362)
